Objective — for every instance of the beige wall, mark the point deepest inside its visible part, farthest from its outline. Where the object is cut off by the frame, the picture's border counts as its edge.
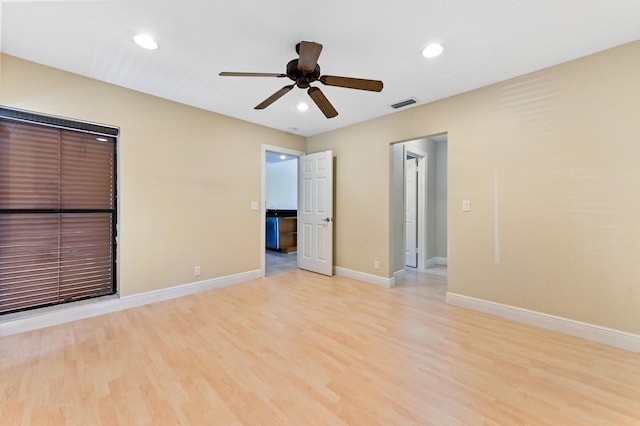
(559, 147)
(186, 176)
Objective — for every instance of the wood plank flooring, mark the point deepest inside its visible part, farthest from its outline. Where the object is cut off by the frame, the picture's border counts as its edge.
(303, 349)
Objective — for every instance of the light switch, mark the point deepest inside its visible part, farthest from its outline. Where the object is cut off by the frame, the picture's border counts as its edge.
(466, 205)
(254, 205)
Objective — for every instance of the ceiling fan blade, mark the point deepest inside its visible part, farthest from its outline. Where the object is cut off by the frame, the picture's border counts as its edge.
(271, 99)
(309, 54)
(352, 83)
(323, 103)
(250, 74)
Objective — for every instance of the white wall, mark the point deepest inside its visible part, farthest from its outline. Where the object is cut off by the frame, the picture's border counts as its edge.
(396, 211)
(441, 199)
(281, 185)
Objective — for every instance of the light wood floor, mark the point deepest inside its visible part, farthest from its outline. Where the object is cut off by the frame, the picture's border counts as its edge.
(303, 349)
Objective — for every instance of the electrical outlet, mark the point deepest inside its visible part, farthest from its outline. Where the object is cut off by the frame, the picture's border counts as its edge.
(376, 264)
(196, 271)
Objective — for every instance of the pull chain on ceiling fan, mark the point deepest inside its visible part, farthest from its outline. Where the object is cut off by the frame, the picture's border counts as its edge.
(304, 71)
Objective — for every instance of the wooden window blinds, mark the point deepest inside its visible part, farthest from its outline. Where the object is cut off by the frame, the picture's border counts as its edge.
(57, 214)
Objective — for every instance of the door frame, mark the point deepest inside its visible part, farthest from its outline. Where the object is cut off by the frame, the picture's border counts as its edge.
(421, 207)
(397, 232)
(263, 191)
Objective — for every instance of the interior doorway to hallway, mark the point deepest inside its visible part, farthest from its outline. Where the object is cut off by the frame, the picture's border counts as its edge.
(278, 230)
(419, 205)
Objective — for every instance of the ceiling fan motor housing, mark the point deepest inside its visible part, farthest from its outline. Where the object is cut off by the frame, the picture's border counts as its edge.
(302, 79)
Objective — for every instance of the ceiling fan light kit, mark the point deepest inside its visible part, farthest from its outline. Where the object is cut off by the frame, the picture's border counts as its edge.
(305, 70)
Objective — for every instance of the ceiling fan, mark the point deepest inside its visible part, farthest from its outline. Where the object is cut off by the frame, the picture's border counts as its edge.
(304, 71)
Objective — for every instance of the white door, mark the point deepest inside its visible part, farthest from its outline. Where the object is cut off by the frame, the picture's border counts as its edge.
(411, 207)
(315, 212)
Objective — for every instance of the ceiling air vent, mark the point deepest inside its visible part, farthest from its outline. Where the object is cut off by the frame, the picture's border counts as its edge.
(404, 103)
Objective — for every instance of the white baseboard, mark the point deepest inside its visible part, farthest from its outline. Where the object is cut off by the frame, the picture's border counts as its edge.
(362, 276)
(437, 261)
(596, 333)
(59, 314)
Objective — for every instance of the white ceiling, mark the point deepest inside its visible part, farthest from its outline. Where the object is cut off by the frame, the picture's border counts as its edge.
(486, 42)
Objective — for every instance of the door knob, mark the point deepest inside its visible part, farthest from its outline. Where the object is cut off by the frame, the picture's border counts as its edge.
(327, 219)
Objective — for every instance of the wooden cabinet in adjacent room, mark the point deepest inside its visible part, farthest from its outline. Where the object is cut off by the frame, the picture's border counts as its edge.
(288, 234)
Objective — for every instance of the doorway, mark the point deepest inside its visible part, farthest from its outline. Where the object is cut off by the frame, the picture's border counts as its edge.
(418, 212)
(279, 210)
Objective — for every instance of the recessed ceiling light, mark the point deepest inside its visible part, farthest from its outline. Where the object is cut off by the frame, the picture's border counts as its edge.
(433, 50)
(146, 41)
(302, 106)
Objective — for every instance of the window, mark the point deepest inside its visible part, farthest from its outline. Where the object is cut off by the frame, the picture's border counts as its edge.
(57, 210)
